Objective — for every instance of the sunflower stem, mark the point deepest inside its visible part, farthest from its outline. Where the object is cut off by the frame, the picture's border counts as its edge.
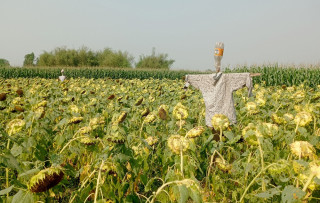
(310, 178)
(70, 142)
(98, 182)
(141, 128)
(253, 180)
(181, 158)
(7, 170)
(262, 163)
(220, 135)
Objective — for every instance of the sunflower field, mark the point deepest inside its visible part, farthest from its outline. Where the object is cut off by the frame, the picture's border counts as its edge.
(132, 140)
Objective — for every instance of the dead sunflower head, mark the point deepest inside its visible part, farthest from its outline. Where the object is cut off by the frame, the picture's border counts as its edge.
(220, 121)
(180, 111)
(195, 132)
(88, 140)
(15, 126)
(75, 120)
(45, 179)
(139, 101)
(177, 143)
(163, 112)
(302, 149)
(151, 140)
(150, 118)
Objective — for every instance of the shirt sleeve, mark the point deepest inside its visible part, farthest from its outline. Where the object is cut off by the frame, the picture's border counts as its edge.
(194, 80)
(240, 80)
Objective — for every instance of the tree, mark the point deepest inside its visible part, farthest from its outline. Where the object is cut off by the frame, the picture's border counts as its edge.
(154, 61)
(4, 62)
(110, 58)
(28, 60)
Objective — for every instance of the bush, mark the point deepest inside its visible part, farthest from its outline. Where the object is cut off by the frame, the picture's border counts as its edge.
(4, 62)
(154, 61)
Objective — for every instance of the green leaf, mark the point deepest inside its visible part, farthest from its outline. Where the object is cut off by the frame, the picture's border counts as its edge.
(7, 190)
(195, 194)
(269, 193)
(11, 161)
(23, 196)
(292, 194)
(163, 197)
(30, 172)
(184, 193)
(16, 150)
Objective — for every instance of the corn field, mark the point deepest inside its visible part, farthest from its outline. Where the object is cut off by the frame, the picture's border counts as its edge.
(271, 75)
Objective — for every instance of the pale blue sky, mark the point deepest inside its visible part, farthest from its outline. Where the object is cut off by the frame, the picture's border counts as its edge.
(254, 31)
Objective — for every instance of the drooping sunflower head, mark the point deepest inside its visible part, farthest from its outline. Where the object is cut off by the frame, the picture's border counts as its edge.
(303, 118)
(145, 112)
(163, 112)
(278, 119)
(15, 126)
(138, 101)
(45, 179)
(95, 122)
(122, 117)
(251, 107)
(177, 143)
(75, 120)
(288, 117)
(151, 140)
(74, 108)
(109, 167)
(302, 149)
(195, 132)
(249, 134)
(39, 112)
(116, 138)
(150, 118)
(87, 140)
(84, 130)
(220, 121)
(223, 165)
(180, 111)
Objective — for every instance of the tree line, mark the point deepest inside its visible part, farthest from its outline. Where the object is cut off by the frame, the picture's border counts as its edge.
(84, 57)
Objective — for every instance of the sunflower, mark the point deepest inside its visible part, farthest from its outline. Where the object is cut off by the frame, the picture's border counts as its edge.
(251, 107)
(302, 149)
(45, 179)
(145, 112)
(180, 111)
(151, 140)
(223, 165)
(39, 112)
(75, 120)
(220, 121)
(122, 117)
(138, 101)
(88, 140)
(163, 112)
(249, 134)
(15, 126)
(195, 132)
(177, 143)
(303, 118)
(150, 118)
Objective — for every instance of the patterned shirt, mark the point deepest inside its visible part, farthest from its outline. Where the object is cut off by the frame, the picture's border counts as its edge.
(217, 92)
